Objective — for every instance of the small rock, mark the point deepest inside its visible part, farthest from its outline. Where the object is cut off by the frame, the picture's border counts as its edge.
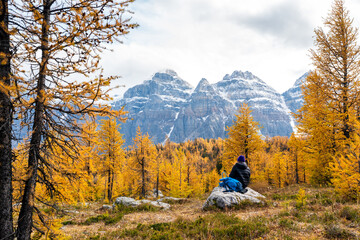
(353, 225)
(107, 207)
(153, 194)
(159, 204)
(162, 205)
(171, 199)
(71, 211)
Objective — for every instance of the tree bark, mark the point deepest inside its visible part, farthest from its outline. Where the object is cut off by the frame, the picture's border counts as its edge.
(296, 168)
(6, 220)
(143, 192)
(26, 212)
(157, 184)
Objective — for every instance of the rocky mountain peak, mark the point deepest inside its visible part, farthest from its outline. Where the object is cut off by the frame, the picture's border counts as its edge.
(169, 77)
(163, 83)
(166, 74)
(239, 74)
(293, 97)
(301, 80)
(167, 106)
(204, 86)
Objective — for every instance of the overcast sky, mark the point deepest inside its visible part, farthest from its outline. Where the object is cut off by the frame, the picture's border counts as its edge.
(210, 38)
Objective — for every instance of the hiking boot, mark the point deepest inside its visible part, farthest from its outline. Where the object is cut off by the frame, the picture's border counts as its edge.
(244, 191)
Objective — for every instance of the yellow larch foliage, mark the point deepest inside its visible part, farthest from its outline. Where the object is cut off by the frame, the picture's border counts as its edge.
(142, 164)
(346, 168)
(317, 126)
(60, 39)
(297, 157)
(212, 180)
(110, 165)
(243, 138)
(177, 178)
(258, 166)
(278, 170)
(328, 118)
(89, 155)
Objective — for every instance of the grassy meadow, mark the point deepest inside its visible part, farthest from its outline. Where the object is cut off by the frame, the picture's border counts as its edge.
(293, 212)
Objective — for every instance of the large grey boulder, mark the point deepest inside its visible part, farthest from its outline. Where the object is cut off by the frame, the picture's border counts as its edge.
(222, 199)
(127, 201)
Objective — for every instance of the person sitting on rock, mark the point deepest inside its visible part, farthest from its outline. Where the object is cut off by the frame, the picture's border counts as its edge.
(241, 172)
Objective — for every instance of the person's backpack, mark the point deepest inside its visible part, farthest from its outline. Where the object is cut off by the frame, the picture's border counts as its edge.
(230, 184)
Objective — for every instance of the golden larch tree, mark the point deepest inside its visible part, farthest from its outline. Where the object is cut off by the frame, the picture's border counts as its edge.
(243, 138)
(110, 143)
(142, 162)
(6, 114)
(177, 178)
(296, 155)
(90, 156)
(59, 46)
(331, 94)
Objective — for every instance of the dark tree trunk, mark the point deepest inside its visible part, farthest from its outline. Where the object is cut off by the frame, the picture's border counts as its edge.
(157, 184)
(6, 221)
(143, 192)
(296, 168)
(246, 146)
(26, 212)
(110, 184)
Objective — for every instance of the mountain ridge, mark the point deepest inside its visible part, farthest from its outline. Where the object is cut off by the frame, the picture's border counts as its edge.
(166, 106)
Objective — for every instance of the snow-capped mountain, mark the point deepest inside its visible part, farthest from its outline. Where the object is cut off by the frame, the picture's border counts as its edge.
(168, 107)
(293, 97)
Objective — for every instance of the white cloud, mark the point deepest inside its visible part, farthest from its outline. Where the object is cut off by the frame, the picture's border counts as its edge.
(209, 38)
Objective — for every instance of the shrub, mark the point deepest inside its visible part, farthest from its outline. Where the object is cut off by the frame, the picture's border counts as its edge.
(350, 214)
(96, 219)
(282, 197)
(333, 231)
(301, 199)
(141, 208)
(105, 218)
(328, 217)
(286, 223)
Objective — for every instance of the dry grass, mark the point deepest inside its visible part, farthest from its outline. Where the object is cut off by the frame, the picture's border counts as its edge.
(322, 217)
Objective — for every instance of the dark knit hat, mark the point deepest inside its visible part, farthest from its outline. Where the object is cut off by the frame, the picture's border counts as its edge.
(241, 158)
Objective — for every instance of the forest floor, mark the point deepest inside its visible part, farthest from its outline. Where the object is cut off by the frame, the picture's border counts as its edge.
(286, 214)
